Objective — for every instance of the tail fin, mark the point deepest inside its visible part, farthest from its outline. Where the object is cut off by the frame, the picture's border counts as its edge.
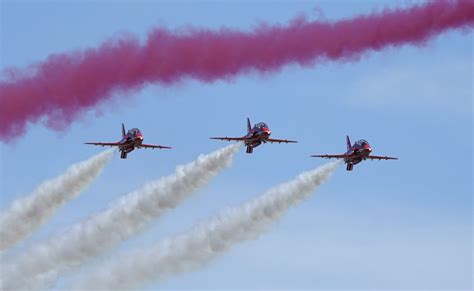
(249, 126)
(348, 141)
(123, 130)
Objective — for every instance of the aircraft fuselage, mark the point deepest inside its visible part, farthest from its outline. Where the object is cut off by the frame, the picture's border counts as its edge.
(128, 145)
(357, 153)
(256, 137)
(133, 139)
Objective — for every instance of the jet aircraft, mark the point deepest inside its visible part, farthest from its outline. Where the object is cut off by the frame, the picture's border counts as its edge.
(256, 135)
(131, 140)
(356, 153)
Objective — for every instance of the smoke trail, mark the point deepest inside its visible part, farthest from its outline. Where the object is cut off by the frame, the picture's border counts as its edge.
(123, 219)
(65, 85)
(192, 250)
(29, 213)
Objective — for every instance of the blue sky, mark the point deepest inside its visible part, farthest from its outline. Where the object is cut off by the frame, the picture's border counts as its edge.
(403, 224)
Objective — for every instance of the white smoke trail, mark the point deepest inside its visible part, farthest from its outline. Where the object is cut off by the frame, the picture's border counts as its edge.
(123, 219)
(28, 213)
(192, 250)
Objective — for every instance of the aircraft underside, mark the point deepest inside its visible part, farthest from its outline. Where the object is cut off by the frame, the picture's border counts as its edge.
(351, 162)
(125, 151)
(252, 144)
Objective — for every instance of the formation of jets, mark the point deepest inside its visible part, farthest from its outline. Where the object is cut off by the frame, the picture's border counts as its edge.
(256, 135)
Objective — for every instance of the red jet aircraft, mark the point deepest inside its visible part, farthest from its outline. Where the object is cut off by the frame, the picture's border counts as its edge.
(356, 153)
(130, 140)
(260, 133)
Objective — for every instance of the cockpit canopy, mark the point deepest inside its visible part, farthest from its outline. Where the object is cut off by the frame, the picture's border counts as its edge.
(261, 125)
(362, 142)
(134, 131)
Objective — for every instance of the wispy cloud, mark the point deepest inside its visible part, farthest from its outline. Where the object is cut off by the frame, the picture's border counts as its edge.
(440, 86)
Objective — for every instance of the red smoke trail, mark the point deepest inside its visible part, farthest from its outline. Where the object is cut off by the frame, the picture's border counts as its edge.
(65, 85)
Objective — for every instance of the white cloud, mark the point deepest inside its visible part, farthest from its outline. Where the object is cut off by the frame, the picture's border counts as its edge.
(442, 86)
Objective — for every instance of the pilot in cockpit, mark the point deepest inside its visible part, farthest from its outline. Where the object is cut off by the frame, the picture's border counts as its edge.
(362, 142)
(261, 125)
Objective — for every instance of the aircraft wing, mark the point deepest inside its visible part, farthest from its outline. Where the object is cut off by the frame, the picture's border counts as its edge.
(331, 156)
(229, 138)
(104, 144)
(380, 158)
(272, 140)
(152, 146)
